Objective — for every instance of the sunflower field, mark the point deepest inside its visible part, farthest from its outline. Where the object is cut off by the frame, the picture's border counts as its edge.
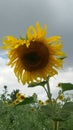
(34, 115)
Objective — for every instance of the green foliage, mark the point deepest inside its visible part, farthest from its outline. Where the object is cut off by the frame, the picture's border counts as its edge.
(29, 115)
(22, 118)
(52, 112)
(4, 95)
(57, 112)
(13, 94)
(66, 86)
(27, 100)
(34, 84)
(68, 107)
(48, 110)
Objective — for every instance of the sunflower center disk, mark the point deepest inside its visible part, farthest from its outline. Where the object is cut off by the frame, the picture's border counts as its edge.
(35, 57)
(32, 58)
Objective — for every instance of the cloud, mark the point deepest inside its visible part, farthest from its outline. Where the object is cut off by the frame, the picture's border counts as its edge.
(8, 78)
(57, 14)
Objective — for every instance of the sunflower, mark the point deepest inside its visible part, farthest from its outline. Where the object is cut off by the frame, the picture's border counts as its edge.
(61, 97)
(36, 56)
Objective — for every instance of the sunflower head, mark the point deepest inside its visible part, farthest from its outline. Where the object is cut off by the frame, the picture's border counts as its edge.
(61, 97)
(36, 56)
(18, 94)
(47, 101)
(15, 102)
(32, 109)
(59, 84)
(41, 102)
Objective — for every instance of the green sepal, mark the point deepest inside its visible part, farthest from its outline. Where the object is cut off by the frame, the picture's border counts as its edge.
(62, 58)
(22, 38)
(26, 37)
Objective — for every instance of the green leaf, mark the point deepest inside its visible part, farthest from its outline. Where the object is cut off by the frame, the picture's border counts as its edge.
(48, 110)
(68, 107)
(35, 97)
(67, 110)
(64, 115)
(51, 112)
(34, 84)
(66, 86)
(57, 114)
(27, 100)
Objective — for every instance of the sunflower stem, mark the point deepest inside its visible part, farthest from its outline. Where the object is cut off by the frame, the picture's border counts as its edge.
(45, 90)
(56, 125)
(49, 92)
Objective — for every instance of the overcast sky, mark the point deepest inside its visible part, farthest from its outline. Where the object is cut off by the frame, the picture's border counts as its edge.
(17, 15)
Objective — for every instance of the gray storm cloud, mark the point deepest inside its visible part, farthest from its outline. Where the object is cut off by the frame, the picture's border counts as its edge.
(16, 16)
